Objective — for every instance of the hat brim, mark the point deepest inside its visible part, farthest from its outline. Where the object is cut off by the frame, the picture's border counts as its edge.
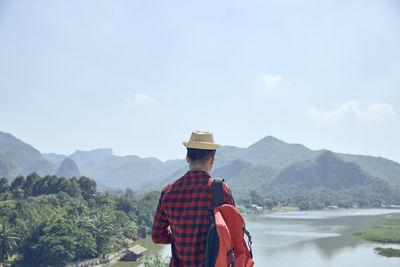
(201, 145)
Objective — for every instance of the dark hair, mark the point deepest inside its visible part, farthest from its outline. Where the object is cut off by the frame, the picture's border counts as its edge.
(200, 155)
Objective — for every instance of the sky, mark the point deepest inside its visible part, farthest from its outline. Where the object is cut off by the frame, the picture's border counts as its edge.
(140, 76)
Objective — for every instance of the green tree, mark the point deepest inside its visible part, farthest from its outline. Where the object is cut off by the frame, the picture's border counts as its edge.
(129, 193)
(64, 242)
(125, 204)
(29, 182)
(8, 242)
(106, 233)
(142, 231)
(17, 193)
(304, 205)
(73, 189)
(4, 185)
(255, 197)
(156, 261)
(88, 187)
(17, 182)
(269, 203)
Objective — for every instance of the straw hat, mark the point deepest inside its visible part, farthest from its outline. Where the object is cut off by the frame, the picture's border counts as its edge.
(201, 140)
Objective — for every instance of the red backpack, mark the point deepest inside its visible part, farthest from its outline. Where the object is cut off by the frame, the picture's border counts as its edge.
(226, 245)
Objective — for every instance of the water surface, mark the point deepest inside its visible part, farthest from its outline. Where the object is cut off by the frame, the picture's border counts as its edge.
(316, 238)
(309, 239)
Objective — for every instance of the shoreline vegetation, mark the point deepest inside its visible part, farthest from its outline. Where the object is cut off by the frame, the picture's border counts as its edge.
(55, 221)
(388, 234)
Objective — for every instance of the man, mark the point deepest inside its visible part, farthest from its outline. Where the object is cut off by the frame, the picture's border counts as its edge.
(182, 216)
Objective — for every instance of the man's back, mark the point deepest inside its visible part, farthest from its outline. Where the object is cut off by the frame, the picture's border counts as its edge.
(182, 217)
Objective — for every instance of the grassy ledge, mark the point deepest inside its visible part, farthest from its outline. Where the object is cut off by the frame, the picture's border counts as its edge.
(388, 252)
(388, 233)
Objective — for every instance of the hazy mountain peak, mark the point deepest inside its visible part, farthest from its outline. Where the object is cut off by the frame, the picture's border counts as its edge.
(269, 139)
(68, 169)
(8, 142)
(327, 156)
(6, 166)
(54, 158)
(25, 157)
(83, 157)
(273, 143)
(98, 152)
(271, 151)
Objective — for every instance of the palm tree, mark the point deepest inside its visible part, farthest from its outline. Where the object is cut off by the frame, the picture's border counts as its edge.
(8, 242)
(101, 226)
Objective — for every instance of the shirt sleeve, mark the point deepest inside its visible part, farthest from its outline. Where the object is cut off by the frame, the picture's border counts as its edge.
(161, 232)
(228, 198)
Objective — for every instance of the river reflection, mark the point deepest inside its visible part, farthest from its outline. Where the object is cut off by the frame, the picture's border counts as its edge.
(316, 238)
(312, 239)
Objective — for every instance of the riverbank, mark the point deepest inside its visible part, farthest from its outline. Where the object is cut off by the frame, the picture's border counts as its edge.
(388, 233)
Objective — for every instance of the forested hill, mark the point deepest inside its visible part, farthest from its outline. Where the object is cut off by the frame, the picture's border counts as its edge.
(24, 157)
(270, 151)
(7, 167)
(273, 152)
(51, 221)
(329, 179)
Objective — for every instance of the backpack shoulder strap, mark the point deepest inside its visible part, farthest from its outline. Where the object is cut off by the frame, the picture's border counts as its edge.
(218, 192)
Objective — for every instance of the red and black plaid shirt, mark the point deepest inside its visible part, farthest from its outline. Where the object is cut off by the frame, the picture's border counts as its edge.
(182, 217)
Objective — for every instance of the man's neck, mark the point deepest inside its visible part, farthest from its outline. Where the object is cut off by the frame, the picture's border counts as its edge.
(200, 168)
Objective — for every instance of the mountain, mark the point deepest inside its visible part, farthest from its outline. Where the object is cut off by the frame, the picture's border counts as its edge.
(68, 169)
(54, 158)
(84, 158)
(270, 151)
(377, 166)
(243, 176)
(124, 171)
(25, 158)
(329, 178)
(111, 171)
(273, 152)
(259, 166)
(7, 167)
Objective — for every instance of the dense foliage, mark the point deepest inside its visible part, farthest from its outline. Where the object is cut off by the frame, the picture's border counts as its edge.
(156, 261)
(326, 181)
(381, 167)
(53, 220)
(331, 181)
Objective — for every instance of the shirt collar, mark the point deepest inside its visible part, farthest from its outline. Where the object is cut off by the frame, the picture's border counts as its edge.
(197, 173)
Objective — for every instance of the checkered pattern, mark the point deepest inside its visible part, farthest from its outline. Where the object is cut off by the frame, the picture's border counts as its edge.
(182, 217)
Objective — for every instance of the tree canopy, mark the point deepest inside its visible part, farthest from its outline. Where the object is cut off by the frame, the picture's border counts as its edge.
(53, 220)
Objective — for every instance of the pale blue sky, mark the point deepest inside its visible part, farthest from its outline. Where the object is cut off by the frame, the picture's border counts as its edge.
(139, 76)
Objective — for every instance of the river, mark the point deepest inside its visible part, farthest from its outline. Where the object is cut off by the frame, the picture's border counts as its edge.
(309, 239)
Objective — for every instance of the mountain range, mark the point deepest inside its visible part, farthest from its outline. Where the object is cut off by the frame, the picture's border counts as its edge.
(269, 166)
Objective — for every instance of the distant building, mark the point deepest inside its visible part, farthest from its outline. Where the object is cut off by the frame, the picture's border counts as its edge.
(133, 253)
(241, 209)
(258, 208)
(393, 207)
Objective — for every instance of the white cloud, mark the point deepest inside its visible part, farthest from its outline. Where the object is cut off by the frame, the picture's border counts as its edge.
(347, 108)
(376, 112)
(380, 111)
(143, 99)
(271, 81)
